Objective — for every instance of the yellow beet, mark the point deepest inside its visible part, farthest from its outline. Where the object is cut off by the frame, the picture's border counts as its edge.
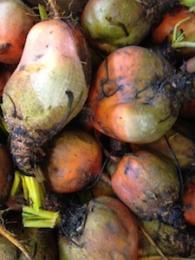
(47, 90)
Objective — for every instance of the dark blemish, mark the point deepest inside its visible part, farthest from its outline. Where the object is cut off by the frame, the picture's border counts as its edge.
(109, 87)
(164, 119)
(70, 96)
(124, 28)
(22, 67)
(4, 47)
(127, 168)
(119, 24)
(37, 57)
(55, 169)
(50, 32)
(130, 170)
(46, 46)
(14, 113)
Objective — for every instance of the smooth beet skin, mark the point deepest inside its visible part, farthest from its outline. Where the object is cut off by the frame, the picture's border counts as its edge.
(74, 161)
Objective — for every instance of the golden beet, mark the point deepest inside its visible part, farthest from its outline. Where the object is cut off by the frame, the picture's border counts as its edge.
(47, 90)
(74, 161)
(110, 232)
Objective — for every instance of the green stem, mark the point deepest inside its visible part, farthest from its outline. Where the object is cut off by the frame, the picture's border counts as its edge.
(183, 44)
(25, 190)
(42, 12)
(39, 218)
(175, 31)
(33, 191)
(16, 184)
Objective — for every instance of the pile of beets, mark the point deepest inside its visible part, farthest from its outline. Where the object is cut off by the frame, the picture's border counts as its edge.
(97, 123)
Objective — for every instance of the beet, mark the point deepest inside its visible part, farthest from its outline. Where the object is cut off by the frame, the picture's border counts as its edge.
(47, 90)
(148, 185)
(107, 220)
(137, 95)
(117, 23)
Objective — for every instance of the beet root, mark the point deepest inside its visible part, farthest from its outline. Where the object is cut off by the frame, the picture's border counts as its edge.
(107, 220)
(117, 23)
(136, 96)
(147, 184)
(74, 161)
(47, 90)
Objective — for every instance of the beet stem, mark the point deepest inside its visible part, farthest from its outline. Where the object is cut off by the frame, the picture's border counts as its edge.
(42, 12)
(39, 218)
(183, 44)
(33, 191)
(16, 184)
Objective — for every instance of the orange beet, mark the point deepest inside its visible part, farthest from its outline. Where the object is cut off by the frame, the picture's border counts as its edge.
(16, 19)
(189, 203)
(73, 162)
(165, 30)
(146, 183)
(166, 26)
(130, 100)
